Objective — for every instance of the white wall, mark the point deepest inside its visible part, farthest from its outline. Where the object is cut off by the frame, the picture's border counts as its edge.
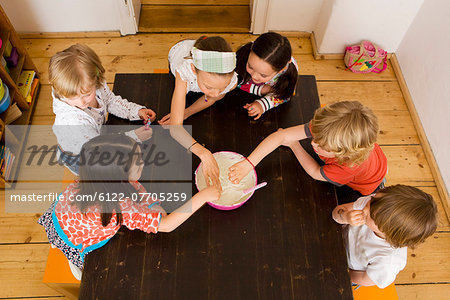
(62, 15)
(293, 15)
(345, 22)
(423, 56)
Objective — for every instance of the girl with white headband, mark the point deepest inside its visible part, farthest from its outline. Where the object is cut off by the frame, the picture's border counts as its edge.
(266, 68)
(205, 66)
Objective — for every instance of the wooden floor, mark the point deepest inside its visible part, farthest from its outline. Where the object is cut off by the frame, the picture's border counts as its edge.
(195, 16)
(23, 244)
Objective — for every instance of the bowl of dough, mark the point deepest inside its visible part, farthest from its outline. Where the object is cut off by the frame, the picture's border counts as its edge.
(232, 194)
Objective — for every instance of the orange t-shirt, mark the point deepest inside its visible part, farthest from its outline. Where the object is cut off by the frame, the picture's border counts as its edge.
(364, 178)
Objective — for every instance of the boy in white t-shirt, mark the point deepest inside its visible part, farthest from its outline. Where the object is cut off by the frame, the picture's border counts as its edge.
(382, 226)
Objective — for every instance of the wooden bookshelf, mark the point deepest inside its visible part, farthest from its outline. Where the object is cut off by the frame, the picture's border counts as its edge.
(15, 140)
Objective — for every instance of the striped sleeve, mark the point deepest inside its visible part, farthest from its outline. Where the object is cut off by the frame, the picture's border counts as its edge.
(252, 88)
(267, 102)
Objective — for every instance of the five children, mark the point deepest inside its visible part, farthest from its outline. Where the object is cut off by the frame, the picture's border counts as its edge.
(382, 221)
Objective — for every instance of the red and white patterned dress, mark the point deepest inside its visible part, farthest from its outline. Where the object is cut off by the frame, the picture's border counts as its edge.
(76, 233)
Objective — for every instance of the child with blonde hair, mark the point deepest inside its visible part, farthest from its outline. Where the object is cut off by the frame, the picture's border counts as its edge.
(382, 226)
(82, 101)
(205, 65)
(343, 135)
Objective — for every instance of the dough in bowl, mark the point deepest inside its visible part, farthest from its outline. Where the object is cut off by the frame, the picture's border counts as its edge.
(232, 193)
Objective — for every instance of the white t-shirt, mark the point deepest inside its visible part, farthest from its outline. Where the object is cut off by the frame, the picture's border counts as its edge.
(368, 252)
(178, 63)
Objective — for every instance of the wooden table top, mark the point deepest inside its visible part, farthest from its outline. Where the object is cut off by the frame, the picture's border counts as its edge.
(281, 244)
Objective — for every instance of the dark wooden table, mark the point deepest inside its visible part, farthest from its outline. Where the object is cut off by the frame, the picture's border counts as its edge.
(282, 244)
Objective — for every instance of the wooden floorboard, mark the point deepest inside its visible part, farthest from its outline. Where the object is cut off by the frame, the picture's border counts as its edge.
(423, 291)
(140, 44)
(396, 128)
(323, 70)
(444, 224)
(24, 257)
(23, 268)
(16, 229)
(194, 18)
(376, 95)
(407, 164)
(195, 2)
(430, 262)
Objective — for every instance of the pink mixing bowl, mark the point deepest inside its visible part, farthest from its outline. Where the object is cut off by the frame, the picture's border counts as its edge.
(236, 157)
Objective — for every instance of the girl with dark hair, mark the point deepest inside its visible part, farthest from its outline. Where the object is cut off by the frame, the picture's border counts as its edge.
(108, 195)
(266, 68)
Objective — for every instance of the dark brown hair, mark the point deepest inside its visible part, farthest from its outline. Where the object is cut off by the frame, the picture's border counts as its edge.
(212, 43)
(405, 214)
(276, 50)
(106, 176)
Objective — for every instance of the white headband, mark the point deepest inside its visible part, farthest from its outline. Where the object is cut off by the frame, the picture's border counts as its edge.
(214, 61)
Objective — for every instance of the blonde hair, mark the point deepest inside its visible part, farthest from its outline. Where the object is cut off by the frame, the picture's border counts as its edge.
(74, 70)
(347, 128)
(405, 214)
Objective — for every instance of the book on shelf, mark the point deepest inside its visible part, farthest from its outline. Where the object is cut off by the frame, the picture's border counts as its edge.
(33, 89)
(11, 114)
(7, 161)
(10, 164)
(25, 81)
(2, 154)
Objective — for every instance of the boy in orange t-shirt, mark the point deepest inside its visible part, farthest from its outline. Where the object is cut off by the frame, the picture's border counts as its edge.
(343, 136)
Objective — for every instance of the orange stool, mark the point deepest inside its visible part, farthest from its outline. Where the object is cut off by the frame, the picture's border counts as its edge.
(375, 293)
(161, 71)
(58, 275)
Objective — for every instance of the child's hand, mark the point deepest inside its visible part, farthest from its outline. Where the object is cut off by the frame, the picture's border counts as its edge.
(254, 110)
(238, 171)
(211, 193)
(355, 217)
(165, 120)
(211, 170)
(146, 113)
(144, 133)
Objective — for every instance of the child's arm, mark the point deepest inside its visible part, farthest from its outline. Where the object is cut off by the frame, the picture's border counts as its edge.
(360, 277)
(178, 104)
(200, 105)
(210, 167)
(195, 107)
(308, 163)
(273, 141)
(345, 214)
(120, 107)
(181, 214)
